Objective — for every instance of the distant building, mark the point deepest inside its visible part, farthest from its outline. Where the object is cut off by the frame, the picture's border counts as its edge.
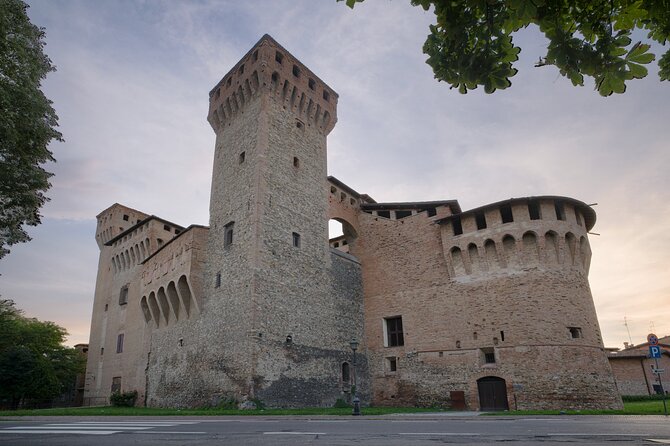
(488, 308)
(634, 370)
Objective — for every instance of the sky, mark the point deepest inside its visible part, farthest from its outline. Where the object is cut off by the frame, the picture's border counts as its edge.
(131, 90)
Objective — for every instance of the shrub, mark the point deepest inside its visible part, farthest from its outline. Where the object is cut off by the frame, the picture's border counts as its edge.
(125, 399)
(341, 404)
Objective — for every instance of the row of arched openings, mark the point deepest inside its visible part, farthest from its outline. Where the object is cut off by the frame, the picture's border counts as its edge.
(168, 303)
(131, 256)
(531, 250)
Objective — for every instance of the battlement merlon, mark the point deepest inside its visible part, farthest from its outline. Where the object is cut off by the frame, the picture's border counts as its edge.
(268, 68)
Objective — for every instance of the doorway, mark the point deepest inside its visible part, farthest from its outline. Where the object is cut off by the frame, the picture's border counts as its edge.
(492, 393)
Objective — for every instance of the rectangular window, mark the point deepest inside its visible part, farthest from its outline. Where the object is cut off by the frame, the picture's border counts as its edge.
(560, 210)
(391, 364)
(125, 217)
(119, 343)
(394, 333)
(489, 355)
(123, 295)
(385, 214)
(534, 210)
(242, 157)
(456, 225)
(116, 384)
(506, 214)
(296, 240)
(575, 332)
(228, 234)
(480, 218)
(217, 282)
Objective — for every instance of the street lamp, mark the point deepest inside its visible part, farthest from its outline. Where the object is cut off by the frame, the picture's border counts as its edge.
(357, 403)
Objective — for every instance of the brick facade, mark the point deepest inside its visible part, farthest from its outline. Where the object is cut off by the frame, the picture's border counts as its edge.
(493, 303)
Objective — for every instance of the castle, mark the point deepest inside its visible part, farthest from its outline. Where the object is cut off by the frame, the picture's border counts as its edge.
(485, 309)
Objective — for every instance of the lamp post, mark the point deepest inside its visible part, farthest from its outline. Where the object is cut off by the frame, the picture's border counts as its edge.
(357, 403)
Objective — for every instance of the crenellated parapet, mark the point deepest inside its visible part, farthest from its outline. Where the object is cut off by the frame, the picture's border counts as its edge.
(518, 234)
(270, 69)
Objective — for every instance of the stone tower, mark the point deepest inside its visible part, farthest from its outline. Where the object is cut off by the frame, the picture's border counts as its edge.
(268, 260)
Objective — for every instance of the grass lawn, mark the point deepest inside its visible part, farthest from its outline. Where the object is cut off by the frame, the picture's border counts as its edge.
(630, 408)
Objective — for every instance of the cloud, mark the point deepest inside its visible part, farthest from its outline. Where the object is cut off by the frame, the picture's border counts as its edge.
(132, 88)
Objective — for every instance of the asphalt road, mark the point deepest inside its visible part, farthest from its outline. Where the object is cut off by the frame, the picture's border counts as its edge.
(387, 430)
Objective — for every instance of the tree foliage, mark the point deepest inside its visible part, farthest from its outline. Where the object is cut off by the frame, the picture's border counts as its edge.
(27, 124)
(471, 42)
(34, 363)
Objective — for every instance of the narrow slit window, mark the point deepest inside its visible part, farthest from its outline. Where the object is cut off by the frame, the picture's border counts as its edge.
(217, 281)
(326, 95)
(228, 234)
(296, 71)
(480, 218)
(279, 57)
(457, 226)
(534, 210)
(296, 240)
(296, 162)
(506, 214)
(311, 84)
(119, 343)
(560, 210)
(123, 295)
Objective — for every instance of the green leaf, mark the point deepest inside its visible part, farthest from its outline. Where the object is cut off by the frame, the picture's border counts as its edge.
(637, 71)
(639, 54)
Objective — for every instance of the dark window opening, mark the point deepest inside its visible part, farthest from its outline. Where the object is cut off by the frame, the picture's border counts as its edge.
(125, 217)
(160, 241)
(217, 282)
(394, 333)
(336, 245)
(241, 71)
(575, 332)
(502, 335)
(392, 364)
(228, 234)
(489, 355)
(102, 351)
(506, 214)
(343, 196)
(296, 162)
(229, 82)
(385, 214)
(480, 218)
(299, 124)
(311, 84)
(123, 296)
(431, 212)
(106, 306)
(560, 210)
(352, 202)
(166, 227)
(333, 190)
(119, 343)
(344, 243)
(296, 240)
(534, 210)
(242, 157)
(402, 214)
(326, 95)
(177, 231)
(255, 56)
(578, 217)
(275, 77)
(457, 226)
(279, 57)
(346, 375)
(296, 71)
